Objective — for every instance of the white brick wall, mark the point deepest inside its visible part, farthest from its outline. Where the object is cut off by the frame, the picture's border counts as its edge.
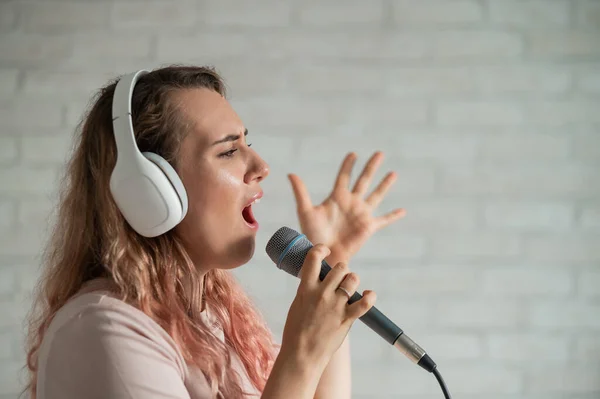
(488, 110)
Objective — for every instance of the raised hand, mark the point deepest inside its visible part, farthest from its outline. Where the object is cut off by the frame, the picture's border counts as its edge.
(344, 220)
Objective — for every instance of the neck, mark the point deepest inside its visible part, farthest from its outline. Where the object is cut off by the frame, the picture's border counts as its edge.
(198, 295)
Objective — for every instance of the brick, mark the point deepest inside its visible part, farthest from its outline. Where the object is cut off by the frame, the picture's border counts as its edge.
(441, 214)
(75, 113)
(8, 16)
(560, 113)
(108, 49)
(412, 281)
(356, 12)
(564, 379)
(520, 282)
(9, 150)
(324, 152)
(576, 315)
(559, 181)
(31, 50)
(522, 347)
(11, 373)
(36, 213)
(469, 314)
(275, 311)
(564, 44)
(589, 81)
(263, 13)
(276, 208)
(289, 111)
(254, 283)
(385, 381)
(21, 243)
(484, 44)
(484, 378)
(7, 216)
(529, 215)
(412, 180)
(589, 283)
(450, 346)
(530, 13)
(436, 12)
(28, 278)
(590, 216)
(423, 81)
(365, 347)
(587, 347)
(27, 181)
(465, 245)
(426, 81)
(30, 114)
(11, 315)
(8, 280)
(273, 78)
(562, 248)
(207, 47)
(68, 84)
(586, 146)
(587, 13)
(392, 246)
(8, 81)
(347, 45)
(6, 345)
(433, 147)
(56, 16)
(46, 149)
(461, 113)
(134, 15)
(530, 146)
(521, 79)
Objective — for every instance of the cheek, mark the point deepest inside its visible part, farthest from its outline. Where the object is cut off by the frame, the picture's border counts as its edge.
(217, 191)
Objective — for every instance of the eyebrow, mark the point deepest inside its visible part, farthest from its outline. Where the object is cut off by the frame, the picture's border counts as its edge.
(231, 137)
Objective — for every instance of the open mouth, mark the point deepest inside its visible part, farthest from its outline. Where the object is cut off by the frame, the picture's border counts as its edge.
(247, 213)
(249, 216)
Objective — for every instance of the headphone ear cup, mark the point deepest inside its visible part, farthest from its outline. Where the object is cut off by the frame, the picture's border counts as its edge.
(173, 177)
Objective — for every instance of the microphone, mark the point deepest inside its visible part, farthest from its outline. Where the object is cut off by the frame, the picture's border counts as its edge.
(288, 249)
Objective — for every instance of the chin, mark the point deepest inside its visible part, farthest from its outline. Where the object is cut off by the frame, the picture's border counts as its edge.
(241, 252)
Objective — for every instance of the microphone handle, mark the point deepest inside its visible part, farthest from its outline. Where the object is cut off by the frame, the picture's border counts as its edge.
(388, 330)
(374, 319)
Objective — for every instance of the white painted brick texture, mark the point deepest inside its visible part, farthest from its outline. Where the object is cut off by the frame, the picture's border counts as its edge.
(488, 110)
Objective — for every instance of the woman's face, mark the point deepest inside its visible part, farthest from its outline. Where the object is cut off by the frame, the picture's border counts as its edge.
(222, 176)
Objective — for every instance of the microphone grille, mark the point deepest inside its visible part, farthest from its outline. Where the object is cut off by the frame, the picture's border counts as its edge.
(289, 259)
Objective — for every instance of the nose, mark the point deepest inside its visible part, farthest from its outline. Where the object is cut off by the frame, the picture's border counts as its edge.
(258, 170)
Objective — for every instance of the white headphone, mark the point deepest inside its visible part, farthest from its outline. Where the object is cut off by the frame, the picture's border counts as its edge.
(146, 188)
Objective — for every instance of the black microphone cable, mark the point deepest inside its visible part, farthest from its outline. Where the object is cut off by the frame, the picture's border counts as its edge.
(428, 364)
(438, 376)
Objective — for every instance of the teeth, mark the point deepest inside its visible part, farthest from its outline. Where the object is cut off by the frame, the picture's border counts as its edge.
(256, 201)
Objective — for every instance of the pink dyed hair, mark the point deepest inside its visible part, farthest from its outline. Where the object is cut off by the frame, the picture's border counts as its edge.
(91, 239)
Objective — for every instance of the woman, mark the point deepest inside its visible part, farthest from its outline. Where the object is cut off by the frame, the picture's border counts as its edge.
(128, 315)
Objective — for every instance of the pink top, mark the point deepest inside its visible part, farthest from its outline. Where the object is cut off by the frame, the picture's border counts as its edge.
(98, 346)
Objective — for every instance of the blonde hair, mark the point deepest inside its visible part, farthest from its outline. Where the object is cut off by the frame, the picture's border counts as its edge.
(91, 239)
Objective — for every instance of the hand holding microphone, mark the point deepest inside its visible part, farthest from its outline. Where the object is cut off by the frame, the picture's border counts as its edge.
(318, 321)
(320, 316)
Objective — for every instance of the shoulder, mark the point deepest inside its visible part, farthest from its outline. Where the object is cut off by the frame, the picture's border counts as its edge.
(97, 339)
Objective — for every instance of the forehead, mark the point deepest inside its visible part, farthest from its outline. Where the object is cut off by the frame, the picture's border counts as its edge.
(211, 115)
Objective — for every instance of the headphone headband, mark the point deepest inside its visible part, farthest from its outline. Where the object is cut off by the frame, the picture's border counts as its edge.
(121, 116)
